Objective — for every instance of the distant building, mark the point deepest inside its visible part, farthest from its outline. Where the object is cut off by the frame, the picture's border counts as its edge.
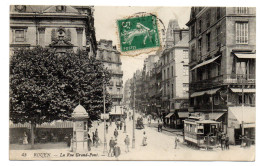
(62, 27)
(149, 83)
(127, 93)
(108, 54)
(175, 76)
(222, 65)
(170, 33)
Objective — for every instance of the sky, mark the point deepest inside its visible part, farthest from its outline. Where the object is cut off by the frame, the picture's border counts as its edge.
(106, 28)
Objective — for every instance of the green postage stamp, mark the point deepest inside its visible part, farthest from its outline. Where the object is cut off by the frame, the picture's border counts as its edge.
(138, 33)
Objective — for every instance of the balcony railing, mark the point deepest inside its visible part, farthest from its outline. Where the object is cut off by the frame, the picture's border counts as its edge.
(118, 96)
(240, 79)
(116, 72)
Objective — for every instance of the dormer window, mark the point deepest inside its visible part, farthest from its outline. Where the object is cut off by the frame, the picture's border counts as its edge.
(60, 8)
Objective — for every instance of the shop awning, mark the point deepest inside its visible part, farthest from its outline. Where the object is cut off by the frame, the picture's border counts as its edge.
(206, 62)
(215, 115)
(207, 122)
(183, 114)
(169, 115)
(245, 56)
(210, 92)
(54, 124)
(116, 110)
(246, 114)
(235, 90)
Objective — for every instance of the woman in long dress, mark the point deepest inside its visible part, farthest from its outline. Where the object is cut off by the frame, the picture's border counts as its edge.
(144, 139)
(25, 139)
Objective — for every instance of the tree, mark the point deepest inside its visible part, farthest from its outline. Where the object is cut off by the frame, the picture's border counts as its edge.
(45, 86)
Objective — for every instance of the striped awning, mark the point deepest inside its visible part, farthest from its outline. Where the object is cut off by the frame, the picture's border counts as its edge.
(183, 114)
(236, 90)
(209, 92)
(206, 62)
(169, 115)
(54, 124)
(245, 55)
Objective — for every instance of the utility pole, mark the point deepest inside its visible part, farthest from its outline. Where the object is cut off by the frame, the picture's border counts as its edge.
(133, 140)
(243, 131)
(104, 106)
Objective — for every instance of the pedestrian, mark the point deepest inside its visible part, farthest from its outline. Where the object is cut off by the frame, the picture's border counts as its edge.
(25, 139)
(106, 128)
(227, 142)
(110, 122)
(223, 138)
(121, 124)
(93, 139)
(117, 125)
(111, 147)
(97, 141)
(89, 143)
(117, 150)
(96, 133)
(176, 142)
(144, 139)
(127, 143)
(115, 133)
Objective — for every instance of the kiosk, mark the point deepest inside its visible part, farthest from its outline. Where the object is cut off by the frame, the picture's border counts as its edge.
(80, 129)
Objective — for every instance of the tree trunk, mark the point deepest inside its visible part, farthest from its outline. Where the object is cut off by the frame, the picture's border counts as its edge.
(33, 125)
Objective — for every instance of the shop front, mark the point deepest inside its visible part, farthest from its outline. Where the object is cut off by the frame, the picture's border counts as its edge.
(57, 131)
(239, 118)
(116, 113)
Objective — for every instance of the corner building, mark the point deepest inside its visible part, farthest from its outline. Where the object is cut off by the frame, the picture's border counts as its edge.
(222, 54)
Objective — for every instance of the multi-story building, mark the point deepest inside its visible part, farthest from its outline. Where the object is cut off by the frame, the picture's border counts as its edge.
(65, 28)
(222, 67)
(110, 56)
(175, 76)
(127, 93)
(62, 27)
(149, 82)
(137, 85)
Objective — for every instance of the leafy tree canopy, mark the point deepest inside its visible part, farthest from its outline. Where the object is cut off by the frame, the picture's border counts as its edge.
(45, 86)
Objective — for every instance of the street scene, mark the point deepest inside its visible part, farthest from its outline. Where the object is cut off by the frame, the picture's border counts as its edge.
(129, 84)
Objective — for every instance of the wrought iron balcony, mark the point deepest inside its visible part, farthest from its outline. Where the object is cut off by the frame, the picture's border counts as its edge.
(117, 96)
(246, 79)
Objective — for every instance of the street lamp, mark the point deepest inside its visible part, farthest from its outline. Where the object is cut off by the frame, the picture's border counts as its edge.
(124, 121)
(104, 107)
(133, 140)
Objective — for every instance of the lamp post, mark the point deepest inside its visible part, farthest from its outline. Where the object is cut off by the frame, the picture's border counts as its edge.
(124, 121)
(104, 107)
(133, 140)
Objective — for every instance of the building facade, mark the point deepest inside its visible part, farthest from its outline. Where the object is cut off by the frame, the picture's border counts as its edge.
(175, 75)
(222, 54)
(110, 56)
(71, 29)
(127, 93)
(64, 28)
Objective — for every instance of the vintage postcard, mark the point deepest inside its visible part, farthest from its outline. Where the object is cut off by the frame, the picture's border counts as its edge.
(132, 83)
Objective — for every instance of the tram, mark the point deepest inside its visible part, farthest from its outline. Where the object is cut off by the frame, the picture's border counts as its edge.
(200, 132)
